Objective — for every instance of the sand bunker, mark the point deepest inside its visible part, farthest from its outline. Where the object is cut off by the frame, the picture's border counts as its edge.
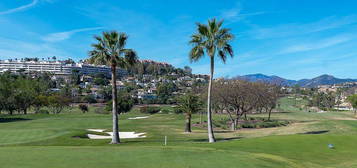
(96, 130)
(123, 135)
(136, 118)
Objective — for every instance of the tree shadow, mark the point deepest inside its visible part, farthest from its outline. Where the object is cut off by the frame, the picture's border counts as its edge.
(316, 132)
(217, 139)
(6, 120)
(223, 131)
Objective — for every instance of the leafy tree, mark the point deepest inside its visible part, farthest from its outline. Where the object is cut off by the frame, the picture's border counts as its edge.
(100, 81)
(75, 77)
(323, 100)
(125, 103)
(69, 61)
(105, 91)
(353, 100)
(110, 50)
(66, 90)
(189, 104)
(39, 102)
(24, 94)
(57, 103)
(89, 99)
(7, 89)
(164, 91)
(188, 70)
(212, 40)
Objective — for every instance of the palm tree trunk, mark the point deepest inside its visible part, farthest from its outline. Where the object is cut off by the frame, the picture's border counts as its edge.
(115, 138)
(211, 138)
(188, 123)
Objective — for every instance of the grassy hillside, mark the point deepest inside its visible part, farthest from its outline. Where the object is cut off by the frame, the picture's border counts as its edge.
(54, 141)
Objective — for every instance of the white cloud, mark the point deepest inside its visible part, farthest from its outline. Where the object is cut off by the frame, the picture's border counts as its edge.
(20, 8)
(60, 36)
(315, 45)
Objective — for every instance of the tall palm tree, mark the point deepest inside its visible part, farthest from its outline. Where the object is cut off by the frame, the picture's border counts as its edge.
(110, 50)
(212, 40)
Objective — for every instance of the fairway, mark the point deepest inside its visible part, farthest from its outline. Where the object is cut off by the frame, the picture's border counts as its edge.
(57, 141)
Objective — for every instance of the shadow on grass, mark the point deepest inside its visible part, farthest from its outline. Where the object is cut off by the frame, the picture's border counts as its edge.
(217, 139)
(316, 132)
(6, 120)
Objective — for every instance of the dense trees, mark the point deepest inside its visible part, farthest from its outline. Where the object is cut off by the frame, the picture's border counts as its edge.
(212, 40)
(20, 93)
(238, 98)
(110, 50)
(164, 92)
(148, 67)
(353, 100)
(323, 100)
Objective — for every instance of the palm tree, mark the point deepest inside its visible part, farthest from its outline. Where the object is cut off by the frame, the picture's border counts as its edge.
(212, 40)
(189, 104)
(110, 50)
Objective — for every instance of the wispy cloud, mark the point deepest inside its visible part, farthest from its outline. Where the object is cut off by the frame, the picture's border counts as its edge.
(315, 45)
(298, 29)
(60, 36)
(10, 48)
(20, 8)
(235, 14)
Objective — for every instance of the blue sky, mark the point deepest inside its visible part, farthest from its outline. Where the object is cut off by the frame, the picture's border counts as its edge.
(294, 39)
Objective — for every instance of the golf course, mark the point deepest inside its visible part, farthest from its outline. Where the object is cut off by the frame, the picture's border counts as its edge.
(42, 140)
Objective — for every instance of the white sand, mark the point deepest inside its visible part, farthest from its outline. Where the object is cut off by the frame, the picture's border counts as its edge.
(123, 135)
(136, 118)
(96, 130)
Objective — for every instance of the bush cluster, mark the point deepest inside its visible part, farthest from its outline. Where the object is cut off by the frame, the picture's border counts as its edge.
(265, 124)
(149, 110)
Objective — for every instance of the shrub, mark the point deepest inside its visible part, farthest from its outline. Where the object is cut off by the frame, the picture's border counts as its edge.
(83, 108)
(265, 124)
(43, 111)
(178, 110)
(165, 111)
(149, 110)
(221, 122)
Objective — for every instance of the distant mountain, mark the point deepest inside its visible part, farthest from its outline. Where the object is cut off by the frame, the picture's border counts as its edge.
(267, 79)
(320, 80)
(323, 80)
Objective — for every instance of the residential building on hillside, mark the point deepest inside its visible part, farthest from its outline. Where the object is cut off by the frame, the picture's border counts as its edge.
(55, 67)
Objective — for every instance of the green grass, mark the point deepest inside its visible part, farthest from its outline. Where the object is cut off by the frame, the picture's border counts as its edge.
(41, 141)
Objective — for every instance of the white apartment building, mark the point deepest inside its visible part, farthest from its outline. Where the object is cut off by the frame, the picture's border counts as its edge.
(55, 67)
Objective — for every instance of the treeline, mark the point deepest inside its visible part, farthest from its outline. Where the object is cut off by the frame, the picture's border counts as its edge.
(156, 68)
(19, 93)
(238, 98)
(323, 100)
